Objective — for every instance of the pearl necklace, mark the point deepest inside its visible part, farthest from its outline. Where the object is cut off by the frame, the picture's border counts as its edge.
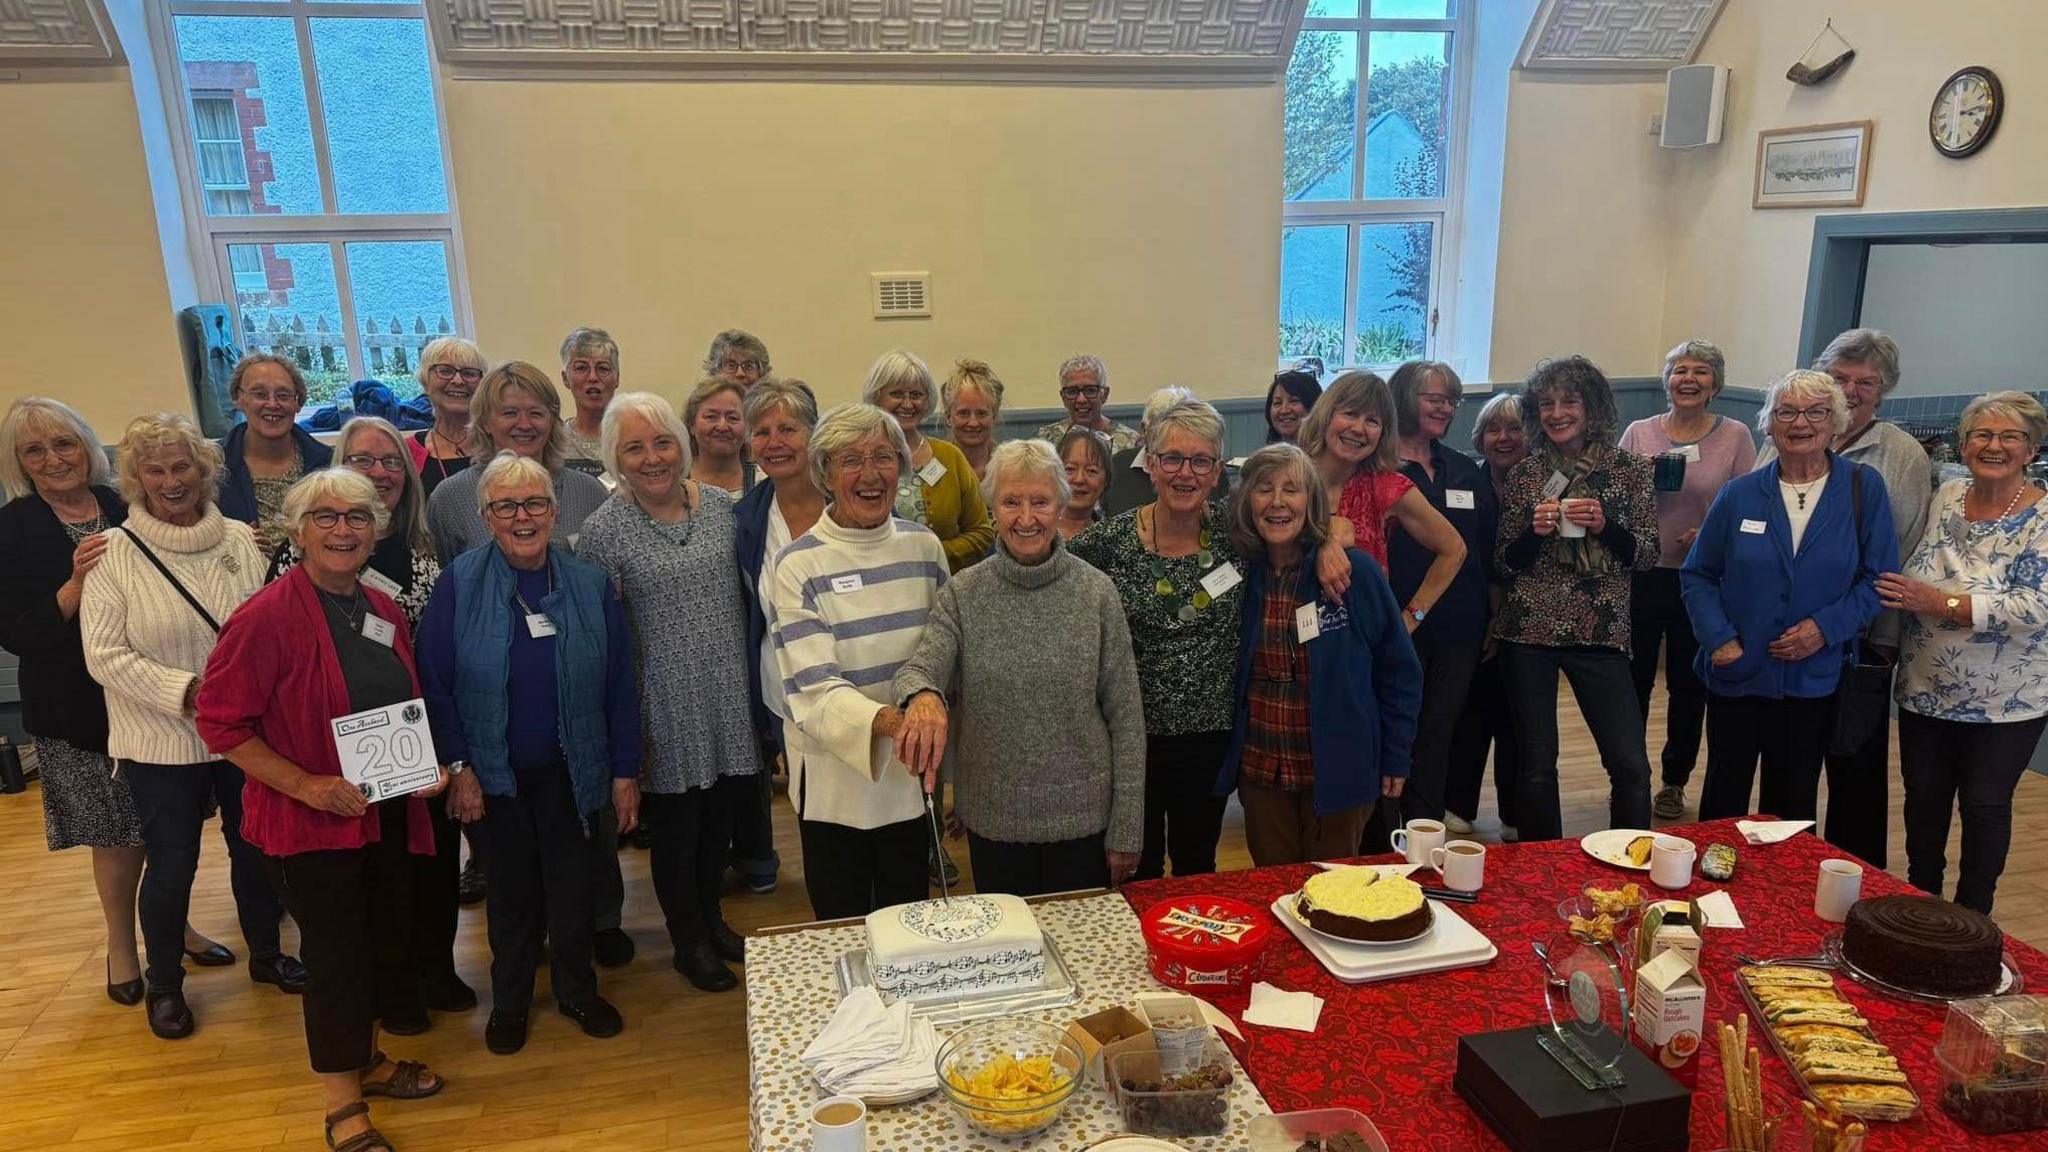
(2017, 494)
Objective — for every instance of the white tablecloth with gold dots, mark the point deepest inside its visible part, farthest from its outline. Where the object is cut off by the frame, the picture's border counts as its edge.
(791, 994)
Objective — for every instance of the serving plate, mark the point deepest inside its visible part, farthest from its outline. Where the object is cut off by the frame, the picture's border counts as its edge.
(1610, 846)
(2009, 982)
(1756, 1011)
(854, 970)
(1291, 902)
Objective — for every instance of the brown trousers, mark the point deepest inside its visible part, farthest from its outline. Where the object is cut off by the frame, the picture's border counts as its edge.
(1282, 827)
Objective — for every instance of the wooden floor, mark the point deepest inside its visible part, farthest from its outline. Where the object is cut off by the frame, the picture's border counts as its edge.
(80, 1073)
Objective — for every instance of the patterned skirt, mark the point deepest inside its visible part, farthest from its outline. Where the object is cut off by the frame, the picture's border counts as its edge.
(84, 804)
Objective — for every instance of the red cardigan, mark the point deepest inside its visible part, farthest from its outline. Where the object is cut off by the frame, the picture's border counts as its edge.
(274, 674)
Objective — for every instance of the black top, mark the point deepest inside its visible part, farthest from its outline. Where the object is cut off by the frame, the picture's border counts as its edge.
(1460, 618)
(435, 469)
(375, 675)
(59, 698)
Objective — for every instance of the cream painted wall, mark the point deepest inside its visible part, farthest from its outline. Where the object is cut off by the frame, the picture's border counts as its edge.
(82, 290)
(1140, 224)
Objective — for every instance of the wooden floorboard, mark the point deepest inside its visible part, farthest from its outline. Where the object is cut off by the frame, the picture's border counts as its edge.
(84, 1075)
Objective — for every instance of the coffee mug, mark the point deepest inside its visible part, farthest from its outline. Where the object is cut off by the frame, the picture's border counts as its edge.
(1669, 472)
(1462, 864)
(1416, 838)
(839, 1124)
(1840, 885)
(1565, 527)
(1671, 861)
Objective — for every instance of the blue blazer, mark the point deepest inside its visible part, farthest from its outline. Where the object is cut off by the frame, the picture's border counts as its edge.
(1364, 685)
(238, 492)
(750, 545)
(1742, 580)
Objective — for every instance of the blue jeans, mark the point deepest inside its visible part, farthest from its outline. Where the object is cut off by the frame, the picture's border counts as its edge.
(171, 801)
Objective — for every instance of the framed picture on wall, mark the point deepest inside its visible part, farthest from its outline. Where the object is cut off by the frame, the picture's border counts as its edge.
(1818, 166)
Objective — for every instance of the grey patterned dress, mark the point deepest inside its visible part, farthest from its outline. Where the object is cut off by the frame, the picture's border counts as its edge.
(682, 594)
(85, 804)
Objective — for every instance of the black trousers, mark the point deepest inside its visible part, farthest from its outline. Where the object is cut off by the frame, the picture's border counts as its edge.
(1022, 869)
(607, 881)
(853, 871)
(753, 820)
(1485, 727)
(1859, 797)
(1447, 671)
(355, 908)
(537, 874)
(1789, 736)
(1606, 695)
(1973, 768)
(1657, 617)
(435, 909)
(687, 858)
(1183, 814)
(171, 801)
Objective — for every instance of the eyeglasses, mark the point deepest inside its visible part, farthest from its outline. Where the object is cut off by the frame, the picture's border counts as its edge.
(447, 372)
(855, 462)
(328, 517)
(735, 367)
(1174, 462)
(36, 453)
(1436, 399)
(281, 396)
(1817, 415)
(535, 506)
(1985, 437)
(361, 462)
(1087, 392)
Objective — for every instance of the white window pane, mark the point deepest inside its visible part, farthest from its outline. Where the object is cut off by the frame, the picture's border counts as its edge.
(1404, 114)
(297, 314)
(402, 301)
(1411, 9)
(254, 60)
(1321, 116)
(1394, 291)
(1312, 292)
(383, 138)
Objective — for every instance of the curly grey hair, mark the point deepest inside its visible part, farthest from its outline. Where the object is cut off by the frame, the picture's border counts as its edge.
(149, 437)
(1085, 363)
(1703, 352)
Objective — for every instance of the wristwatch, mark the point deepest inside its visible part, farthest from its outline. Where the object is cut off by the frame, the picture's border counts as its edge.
(1415, 613)
(457, 767)
(1951, 604)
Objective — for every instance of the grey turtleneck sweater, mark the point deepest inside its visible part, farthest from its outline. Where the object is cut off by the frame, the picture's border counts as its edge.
(1048, 731)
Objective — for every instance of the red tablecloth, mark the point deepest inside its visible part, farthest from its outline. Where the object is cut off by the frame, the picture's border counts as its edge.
(1389, 1049)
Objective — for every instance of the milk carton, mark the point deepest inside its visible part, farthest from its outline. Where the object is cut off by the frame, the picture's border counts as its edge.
(1671, 1014)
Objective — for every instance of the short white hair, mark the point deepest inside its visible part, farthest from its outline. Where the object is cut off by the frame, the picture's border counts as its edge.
(1085, 362)
(1032, 459)
(584, 341)
(509, 468)
(345, 484)
(1804, 386)
(897, 368)
(1157, 404)
(648, 407)
(42, 416)
(1190, 416)
(846, 425)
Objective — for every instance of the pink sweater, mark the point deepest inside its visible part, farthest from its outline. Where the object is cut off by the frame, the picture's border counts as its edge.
(1725, 452)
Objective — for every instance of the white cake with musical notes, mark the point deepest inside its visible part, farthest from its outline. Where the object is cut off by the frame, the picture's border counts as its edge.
(942, 948)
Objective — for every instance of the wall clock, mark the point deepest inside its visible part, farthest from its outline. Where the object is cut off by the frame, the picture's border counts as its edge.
(1965, 113)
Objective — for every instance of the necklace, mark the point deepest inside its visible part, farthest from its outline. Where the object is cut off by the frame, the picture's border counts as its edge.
(352, 612)
(688, 522)
(2017, 495)
(1164, 587)
(1800, 490)
(523, 605)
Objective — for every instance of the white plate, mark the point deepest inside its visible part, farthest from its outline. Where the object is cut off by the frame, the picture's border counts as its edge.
(1611, 847)
(1128, 1143)
(1453, 944)
(1290, 902)
(897, 1098)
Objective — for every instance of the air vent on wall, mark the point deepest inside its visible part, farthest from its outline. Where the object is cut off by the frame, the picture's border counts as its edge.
(899, 294)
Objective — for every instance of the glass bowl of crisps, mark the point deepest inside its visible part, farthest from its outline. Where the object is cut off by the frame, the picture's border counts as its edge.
(1586, 923)
(1010, 1077)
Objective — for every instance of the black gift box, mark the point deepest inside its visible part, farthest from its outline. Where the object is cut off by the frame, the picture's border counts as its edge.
(1536, 1106)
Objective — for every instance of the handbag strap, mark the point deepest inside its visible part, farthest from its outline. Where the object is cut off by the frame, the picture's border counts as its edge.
(175, 582)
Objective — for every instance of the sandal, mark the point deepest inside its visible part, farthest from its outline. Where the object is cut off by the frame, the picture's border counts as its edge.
(364, 1141)
(405, 1081)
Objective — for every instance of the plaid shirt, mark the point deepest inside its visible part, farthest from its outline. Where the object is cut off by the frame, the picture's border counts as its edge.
(1276, 746)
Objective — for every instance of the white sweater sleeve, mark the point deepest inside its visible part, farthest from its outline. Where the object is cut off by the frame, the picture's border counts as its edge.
(103, 611)
(834, 715)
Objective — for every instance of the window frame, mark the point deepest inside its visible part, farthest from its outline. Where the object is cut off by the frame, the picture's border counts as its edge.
(209, 236)
(1444, 211)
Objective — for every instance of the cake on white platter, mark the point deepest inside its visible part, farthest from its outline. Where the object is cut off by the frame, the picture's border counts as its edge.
(934, 948)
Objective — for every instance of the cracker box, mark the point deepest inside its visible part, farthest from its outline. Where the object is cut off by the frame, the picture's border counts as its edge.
(1671, 1014)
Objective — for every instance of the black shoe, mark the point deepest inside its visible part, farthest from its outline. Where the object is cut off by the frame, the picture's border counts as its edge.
(506, 1032)
(700, 965)
(211, 956)
(470, 889)
(450, 994)
(729, 944)
(128, 993)
(283, 971)
(595, 1016)
(169, 1016)
(612, 948)
(407, 1025)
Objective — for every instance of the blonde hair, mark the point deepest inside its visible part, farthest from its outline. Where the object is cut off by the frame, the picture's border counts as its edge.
(449, 350)
(347, 483)
(150, 437)
(972, 376)
(648, 407)
(491, 393)
(1363, 393)
(33, 415)
(895, 368)
(411, 513)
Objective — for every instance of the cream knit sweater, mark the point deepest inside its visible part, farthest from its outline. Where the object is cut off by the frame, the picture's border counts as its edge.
(145, 644)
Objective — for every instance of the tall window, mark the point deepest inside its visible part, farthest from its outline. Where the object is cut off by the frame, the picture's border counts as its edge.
(1368, 225)
(315, 171)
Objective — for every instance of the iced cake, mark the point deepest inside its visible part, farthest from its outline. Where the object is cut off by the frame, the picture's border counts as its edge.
(968, 944)
(1361, 904)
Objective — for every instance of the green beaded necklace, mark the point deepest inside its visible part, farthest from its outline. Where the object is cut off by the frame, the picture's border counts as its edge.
(1164, 587)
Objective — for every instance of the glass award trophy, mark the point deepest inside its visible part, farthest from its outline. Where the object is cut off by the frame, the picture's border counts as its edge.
(1589, 1012)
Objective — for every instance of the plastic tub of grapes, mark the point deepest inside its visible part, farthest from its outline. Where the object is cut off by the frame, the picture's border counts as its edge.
(1010, 1077)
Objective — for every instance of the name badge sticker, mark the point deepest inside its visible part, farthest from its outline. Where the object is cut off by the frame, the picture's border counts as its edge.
(379, 629)
(1308, 623)
(932, 472)
(1458, 498)
(1221, 579)
(1753, 527)
(1555, 486)
(371, 578)
(539, 626)
(1691, 452)
(847, 583)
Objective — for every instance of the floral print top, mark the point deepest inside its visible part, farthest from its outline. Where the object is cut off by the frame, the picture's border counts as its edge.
(1187, 667)
(1996, 669)
(1548, 603)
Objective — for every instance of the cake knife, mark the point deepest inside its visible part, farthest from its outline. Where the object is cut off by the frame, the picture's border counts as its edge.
(931, 813)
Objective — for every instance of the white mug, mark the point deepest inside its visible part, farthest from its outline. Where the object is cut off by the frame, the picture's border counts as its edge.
(1671, 861)
(1565, 527)
(1416, 838)
(839, 1124)
(1840, 885)
(1462, 864)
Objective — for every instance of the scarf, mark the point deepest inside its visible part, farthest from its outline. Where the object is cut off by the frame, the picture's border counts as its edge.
(1584, 555)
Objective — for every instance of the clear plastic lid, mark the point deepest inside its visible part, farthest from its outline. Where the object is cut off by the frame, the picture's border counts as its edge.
(2001, 1039)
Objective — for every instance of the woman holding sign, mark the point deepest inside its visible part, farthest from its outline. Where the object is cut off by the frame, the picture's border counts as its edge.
(315, 653)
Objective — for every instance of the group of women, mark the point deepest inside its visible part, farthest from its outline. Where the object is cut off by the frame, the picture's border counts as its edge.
(614, 615)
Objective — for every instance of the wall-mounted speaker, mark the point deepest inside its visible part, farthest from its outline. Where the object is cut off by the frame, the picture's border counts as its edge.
(1695, 99)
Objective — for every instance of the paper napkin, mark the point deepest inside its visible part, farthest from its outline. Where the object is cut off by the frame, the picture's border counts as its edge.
(1275, 1008)
(868, 1049)
(1771, 831)
(1719, 909)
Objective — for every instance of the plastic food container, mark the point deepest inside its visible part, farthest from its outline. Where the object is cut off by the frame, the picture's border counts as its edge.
(1195, 1103)
(1196, 942)
(977, 1046)
(1335, 1129)
(1993, 1059)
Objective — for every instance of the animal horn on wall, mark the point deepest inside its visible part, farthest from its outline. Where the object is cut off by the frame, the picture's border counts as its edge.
(1807, 75)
